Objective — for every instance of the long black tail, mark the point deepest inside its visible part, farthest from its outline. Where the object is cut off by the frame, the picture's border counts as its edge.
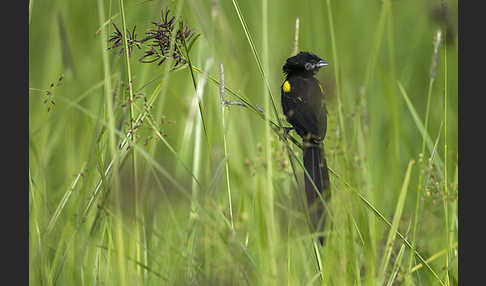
(316, 166)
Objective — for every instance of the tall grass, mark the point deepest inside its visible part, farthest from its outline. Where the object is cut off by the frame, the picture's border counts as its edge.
(147, 175)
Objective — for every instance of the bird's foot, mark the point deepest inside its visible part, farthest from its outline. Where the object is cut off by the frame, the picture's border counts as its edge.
(286, 131)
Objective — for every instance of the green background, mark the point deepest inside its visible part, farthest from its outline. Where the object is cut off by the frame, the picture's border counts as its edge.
(149, 222)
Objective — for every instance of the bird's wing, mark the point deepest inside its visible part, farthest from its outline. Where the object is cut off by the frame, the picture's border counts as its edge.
(304, 107)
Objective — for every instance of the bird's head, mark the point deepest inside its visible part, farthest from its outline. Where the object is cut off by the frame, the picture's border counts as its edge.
(304, 62)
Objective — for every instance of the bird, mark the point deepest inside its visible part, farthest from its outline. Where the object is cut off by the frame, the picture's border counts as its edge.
(303, 104)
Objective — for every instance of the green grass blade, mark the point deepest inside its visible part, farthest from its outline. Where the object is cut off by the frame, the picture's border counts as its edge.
(379, 215)
(336, 72)
(138, 263)
(64, 201)
(434, 257)
(139, 149)
(193, 77)
(225, 145)
(396, 220)
(396, 266)
(257, 59)
(419, 124)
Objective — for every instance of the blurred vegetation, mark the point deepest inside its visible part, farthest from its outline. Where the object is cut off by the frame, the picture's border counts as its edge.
(205, 195)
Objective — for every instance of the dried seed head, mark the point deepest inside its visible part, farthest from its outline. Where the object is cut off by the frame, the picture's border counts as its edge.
(117, 40)
(164, 43)
(433, 68)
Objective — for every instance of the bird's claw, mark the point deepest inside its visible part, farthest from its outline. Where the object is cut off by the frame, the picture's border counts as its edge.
(286, 131)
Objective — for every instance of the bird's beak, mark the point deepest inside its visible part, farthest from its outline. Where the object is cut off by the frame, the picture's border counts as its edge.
(321, 63)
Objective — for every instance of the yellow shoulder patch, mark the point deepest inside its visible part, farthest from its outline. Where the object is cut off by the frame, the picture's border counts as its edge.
(286, 86)
(322, 89)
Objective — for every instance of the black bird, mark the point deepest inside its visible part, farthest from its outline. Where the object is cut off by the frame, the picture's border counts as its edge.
(304, 108)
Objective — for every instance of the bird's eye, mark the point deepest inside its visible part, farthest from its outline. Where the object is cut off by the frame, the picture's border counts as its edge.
(309, 66)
